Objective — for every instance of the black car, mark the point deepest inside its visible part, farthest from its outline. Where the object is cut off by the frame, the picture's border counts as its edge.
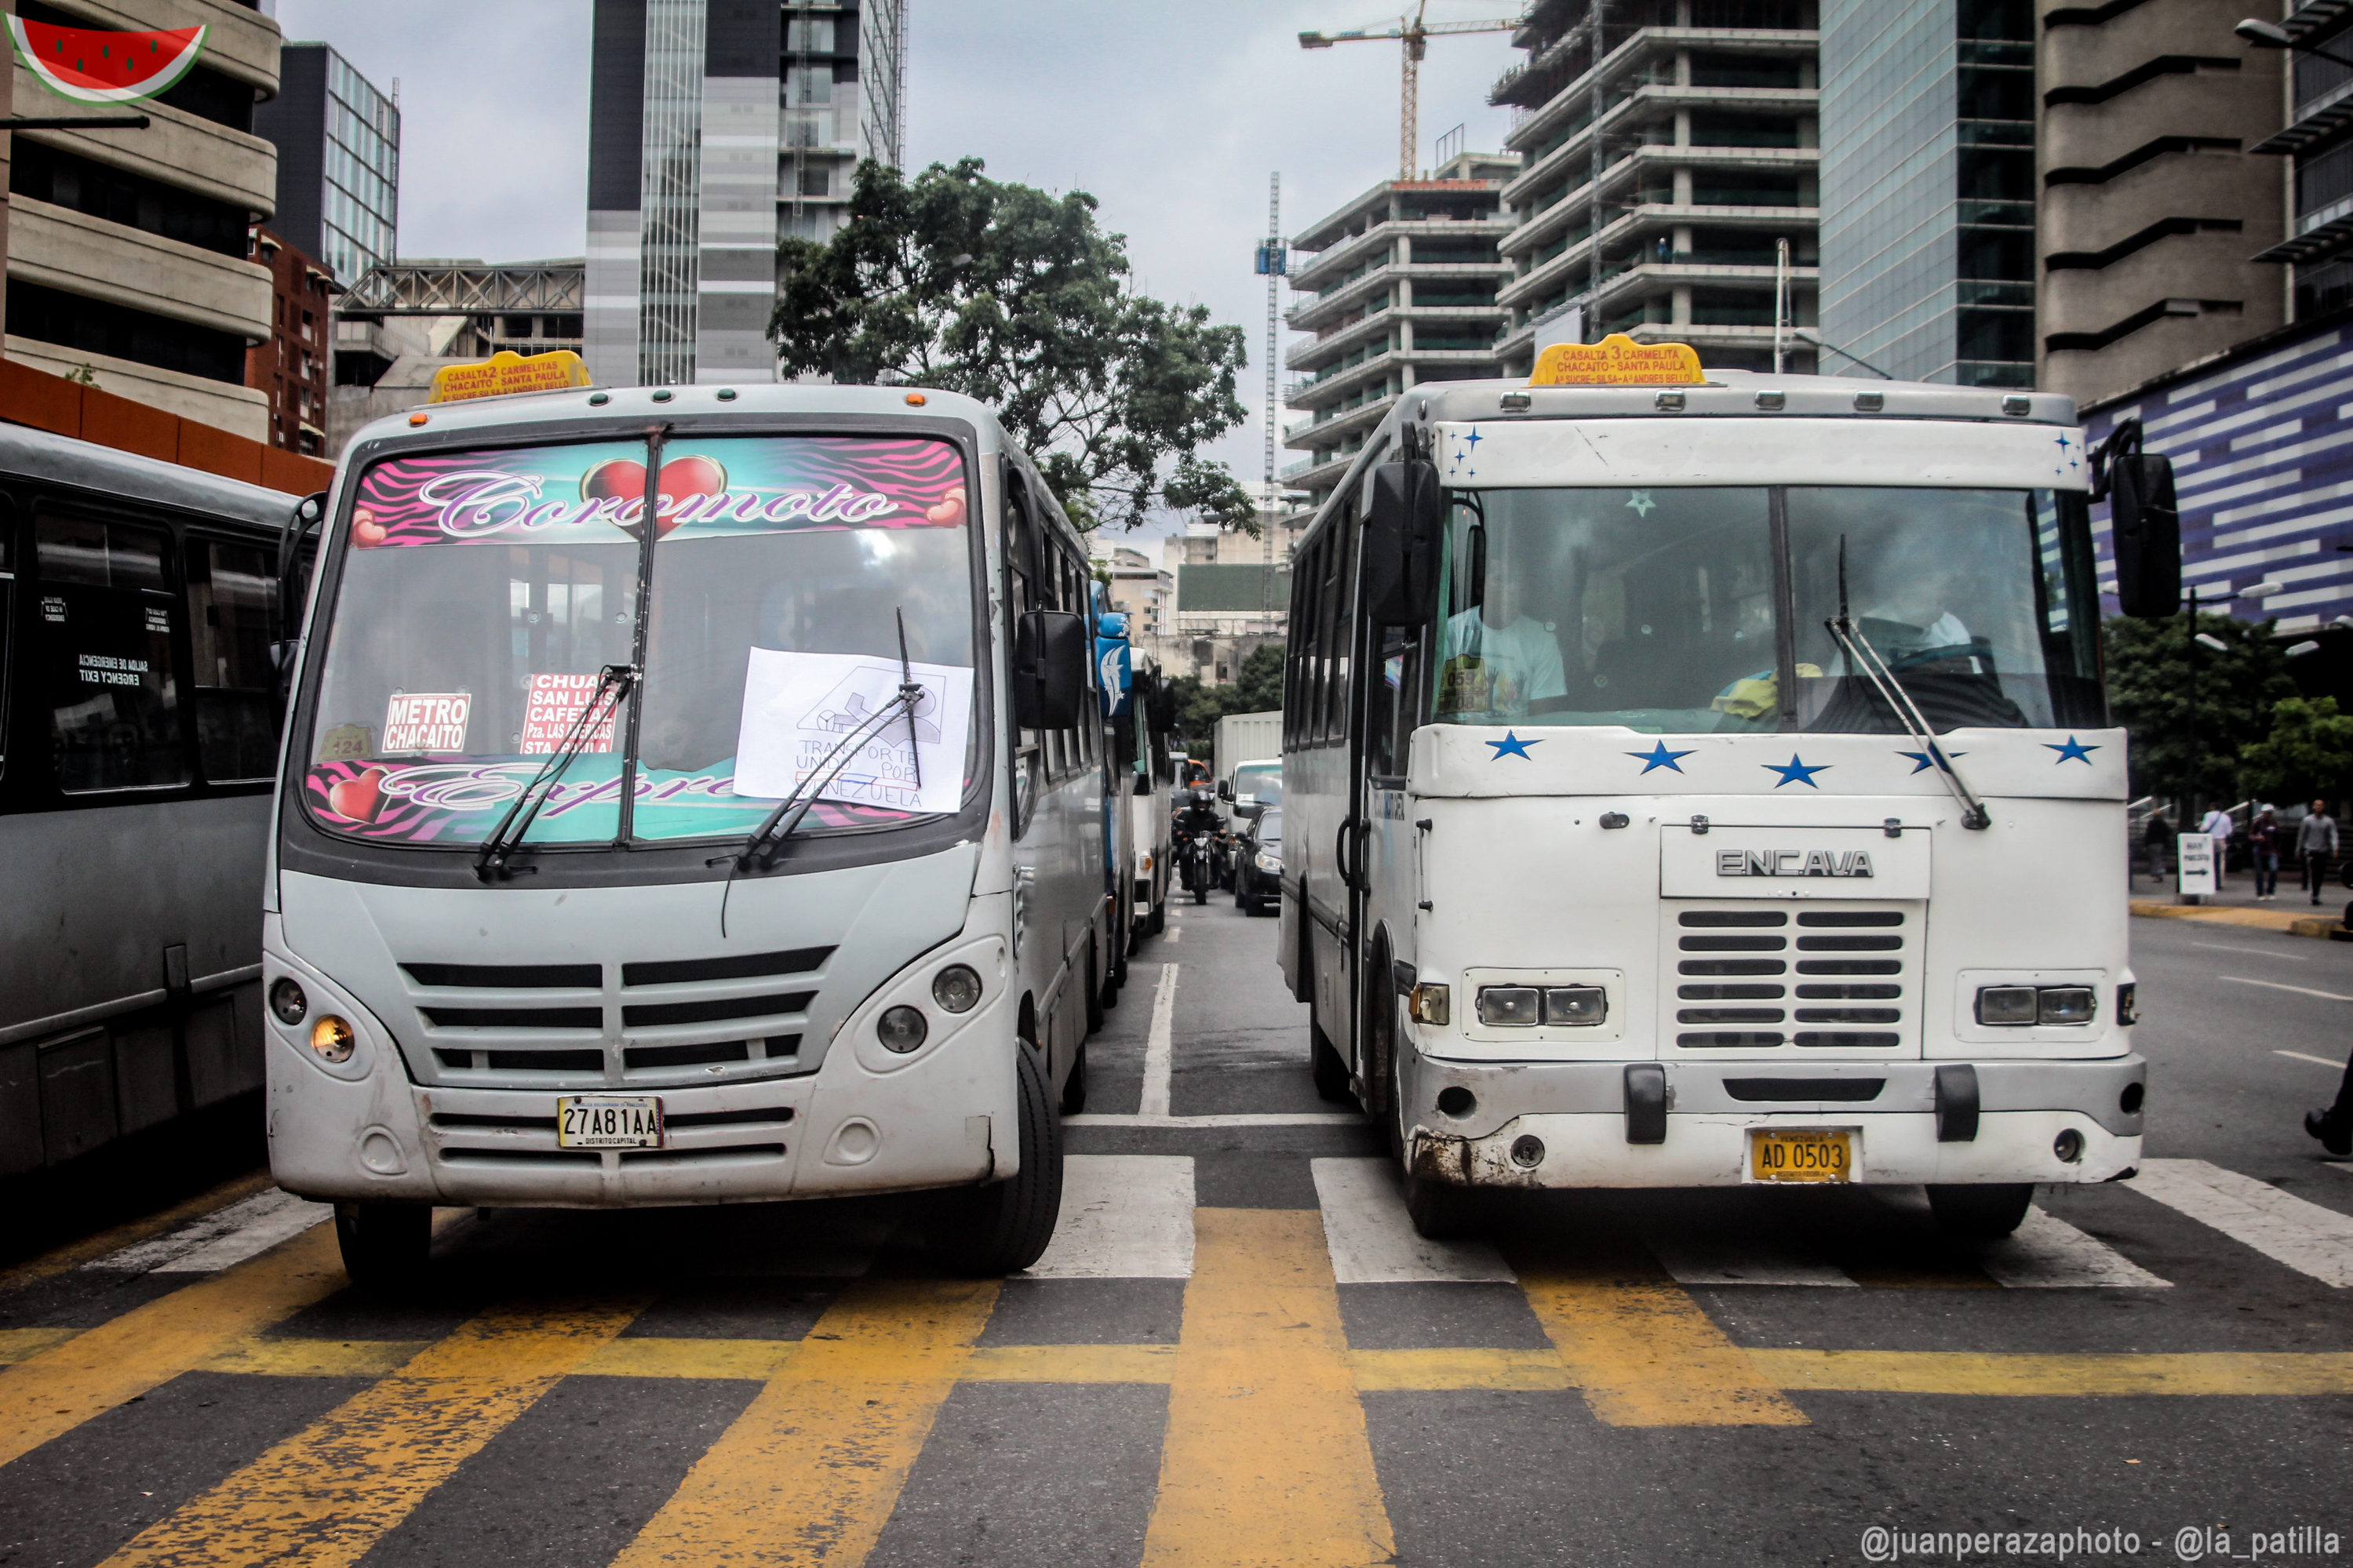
(1258, 863)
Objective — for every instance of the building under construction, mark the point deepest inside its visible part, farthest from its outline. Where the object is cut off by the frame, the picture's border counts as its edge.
(1668, 147)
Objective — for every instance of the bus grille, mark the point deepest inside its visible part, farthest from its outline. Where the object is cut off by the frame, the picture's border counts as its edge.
(562, 1026)
(1815, 977)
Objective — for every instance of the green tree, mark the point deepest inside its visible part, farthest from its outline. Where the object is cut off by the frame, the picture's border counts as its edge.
(1258, 685)
(2306, 754)
(1198, 709)
(2149, 694)
(1017, 298)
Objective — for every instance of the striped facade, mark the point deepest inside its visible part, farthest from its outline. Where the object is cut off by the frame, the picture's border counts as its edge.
(2262, 443)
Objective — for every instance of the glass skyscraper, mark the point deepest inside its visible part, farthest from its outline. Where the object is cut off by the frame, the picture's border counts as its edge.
(338, 160)
(1927, 187)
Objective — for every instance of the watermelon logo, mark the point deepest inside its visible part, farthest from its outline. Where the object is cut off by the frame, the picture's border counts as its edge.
(93, 67)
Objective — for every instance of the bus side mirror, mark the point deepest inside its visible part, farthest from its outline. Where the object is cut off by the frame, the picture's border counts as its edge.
(2145, 524)
(1163, 711)
(1051, 655)
(1402, 526)
(1143, 783)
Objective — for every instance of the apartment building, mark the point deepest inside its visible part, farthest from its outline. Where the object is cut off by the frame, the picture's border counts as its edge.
(292, 368)
(1400, 288)
(128, 250)
(1668, 150)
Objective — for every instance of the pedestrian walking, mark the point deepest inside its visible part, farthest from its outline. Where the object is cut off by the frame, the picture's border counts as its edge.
(2262, 842)
(2156, 839)
(2217, 827)
(2316, 843)
(2334, 1126)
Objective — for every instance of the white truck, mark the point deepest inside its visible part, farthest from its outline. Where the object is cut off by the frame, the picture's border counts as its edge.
(1250, 744)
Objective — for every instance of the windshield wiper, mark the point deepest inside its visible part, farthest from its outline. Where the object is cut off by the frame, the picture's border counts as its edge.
(1863, 655)
(615, 680)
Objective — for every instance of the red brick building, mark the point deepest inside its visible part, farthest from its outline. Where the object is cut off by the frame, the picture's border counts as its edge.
(292, 366)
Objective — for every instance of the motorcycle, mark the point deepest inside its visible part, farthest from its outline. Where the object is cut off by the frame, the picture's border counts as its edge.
(1197, 869)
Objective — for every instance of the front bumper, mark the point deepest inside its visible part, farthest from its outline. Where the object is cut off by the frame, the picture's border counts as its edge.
(1579, 1111)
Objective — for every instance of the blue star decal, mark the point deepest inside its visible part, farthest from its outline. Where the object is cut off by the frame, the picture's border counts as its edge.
(2064, 443)
(1933, 757)
(1796, 771)
(1511, 746)
(2074, 751)
(1472, 439)
(1659, 756)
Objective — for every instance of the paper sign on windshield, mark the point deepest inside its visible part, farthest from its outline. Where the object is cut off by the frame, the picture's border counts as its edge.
(555, 704)
(798, 706)
(426, 721)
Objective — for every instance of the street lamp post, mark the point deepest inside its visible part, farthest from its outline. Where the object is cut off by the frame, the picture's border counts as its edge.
(2263, 590)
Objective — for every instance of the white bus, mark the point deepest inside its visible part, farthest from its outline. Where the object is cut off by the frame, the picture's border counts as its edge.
(755, 855)
(1711, 784)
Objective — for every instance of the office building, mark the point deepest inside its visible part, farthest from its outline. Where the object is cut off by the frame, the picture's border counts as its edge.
(128, 251)
(2157, 206)
(1660, 175)
(1928, 187)
(2317, 142)
(337, 143)
(717, 127)
(1399, 287)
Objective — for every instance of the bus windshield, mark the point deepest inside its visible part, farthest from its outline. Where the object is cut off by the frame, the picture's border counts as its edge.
(1665, 609)
(483, 594)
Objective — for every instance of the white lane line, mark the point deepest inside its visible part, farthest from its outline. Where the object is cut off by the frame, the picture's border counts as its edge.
(2303, 1235)
(1732, 1262)
(1175, 931)
(1158, 1044)
(2316, 1061)
(2046, 1252)
(222, 1238)
(2275, 985)
(1234, 1119)
(1372, 1239)
(1125, 1217)
(2257, 951)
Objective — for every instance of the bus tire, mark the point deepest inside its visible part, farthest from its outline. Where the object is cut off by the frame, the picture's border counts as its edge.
(1097, 982)
(1004, 1225)
(1157, 921)
(384, 1246)
(1440, 1210)
(1986, 1211)
(1074, 1088)
(1330, 1071)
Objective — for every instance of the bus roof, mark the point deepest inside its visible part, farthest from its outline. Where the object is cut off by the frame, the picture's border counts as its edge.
(65, 460)
(1741, 393)
(635, 408)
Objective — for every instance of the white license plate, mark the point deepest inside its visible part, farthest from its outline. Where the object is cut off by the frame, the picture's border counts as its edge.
(608, 1122)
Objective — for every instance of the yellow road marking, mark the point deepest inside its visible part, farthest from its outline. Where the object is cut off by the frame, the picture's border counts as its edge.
(325, 1496)
(754, 1361)
(56, 1390)
(1518, 1372)
(23, 1344)
(313, 1358)
(809, 1472)
(1266, 1461)
(73, 1255)
(1072, 1364)
(1643, 1352)
(1960, 1372)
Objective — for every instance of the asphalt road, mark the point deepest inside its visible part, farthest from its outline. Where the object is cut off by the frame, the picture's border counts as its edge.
(1237, 1352)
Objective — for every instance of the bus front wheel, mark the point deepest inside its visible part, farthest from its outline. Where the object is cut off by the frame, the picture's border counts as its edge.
(1004, 1225)
(383, 1244)
(1984, 1212)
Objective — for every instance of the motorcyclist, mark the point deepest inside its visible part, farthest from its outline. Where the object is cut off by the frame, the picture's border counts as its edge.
(1196, 823)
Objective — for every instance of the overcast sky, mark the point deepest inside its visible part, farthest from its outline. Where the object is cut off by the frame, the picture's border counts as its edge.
(1173, 116)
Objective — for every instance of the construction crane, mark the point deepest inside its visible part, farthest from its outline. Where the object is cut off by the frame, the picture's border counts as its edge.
(1415, 34)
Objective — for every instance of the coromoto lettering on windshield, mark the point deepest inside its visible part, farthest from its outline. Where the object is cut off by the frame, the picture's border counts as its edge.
(1793, 863)
(470, 505)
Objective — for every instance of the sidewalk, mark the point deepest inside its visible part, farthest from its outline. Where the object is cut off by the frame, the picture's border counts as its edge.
(2292, 912)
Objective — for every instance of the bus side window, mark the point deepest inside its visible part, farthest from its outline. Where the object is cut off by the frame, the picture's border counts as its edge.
(1331, 628)
(1310, 683)
(232, 595)
(1343, 624)
(7, 617)
(1021, 564)
(108, 622)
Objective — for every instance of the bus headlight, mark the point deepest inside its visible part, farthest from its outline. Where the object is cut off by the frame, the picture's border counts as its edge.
(901, 1029)
(1516, 1006)
(2068, 1004)
(2008, 1005)
(332, 1039)
(1575, 1006)
(956, 988)
(286, 1000)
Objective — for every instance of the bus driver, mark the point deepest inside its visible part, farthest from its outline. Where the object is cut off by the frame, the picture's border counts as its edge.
(1495, 659)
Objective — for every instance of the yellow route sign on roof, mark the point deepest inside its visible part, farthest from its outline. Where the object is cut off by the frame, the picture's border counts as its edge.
(1617, 360)
(506, 373)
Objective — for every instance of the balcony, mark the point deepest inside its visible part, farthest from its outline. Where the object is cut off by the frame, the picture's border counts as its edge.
(1572, 99)
(1331, 266)
(1568, 265)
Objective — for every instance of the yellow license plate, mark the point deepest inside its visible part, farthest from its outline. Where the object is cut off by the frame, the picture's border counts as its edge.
(1801, 1155)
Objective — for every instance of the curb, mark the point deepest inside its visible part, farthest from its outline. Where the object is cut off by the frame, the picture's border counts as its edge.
(2259, 919)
